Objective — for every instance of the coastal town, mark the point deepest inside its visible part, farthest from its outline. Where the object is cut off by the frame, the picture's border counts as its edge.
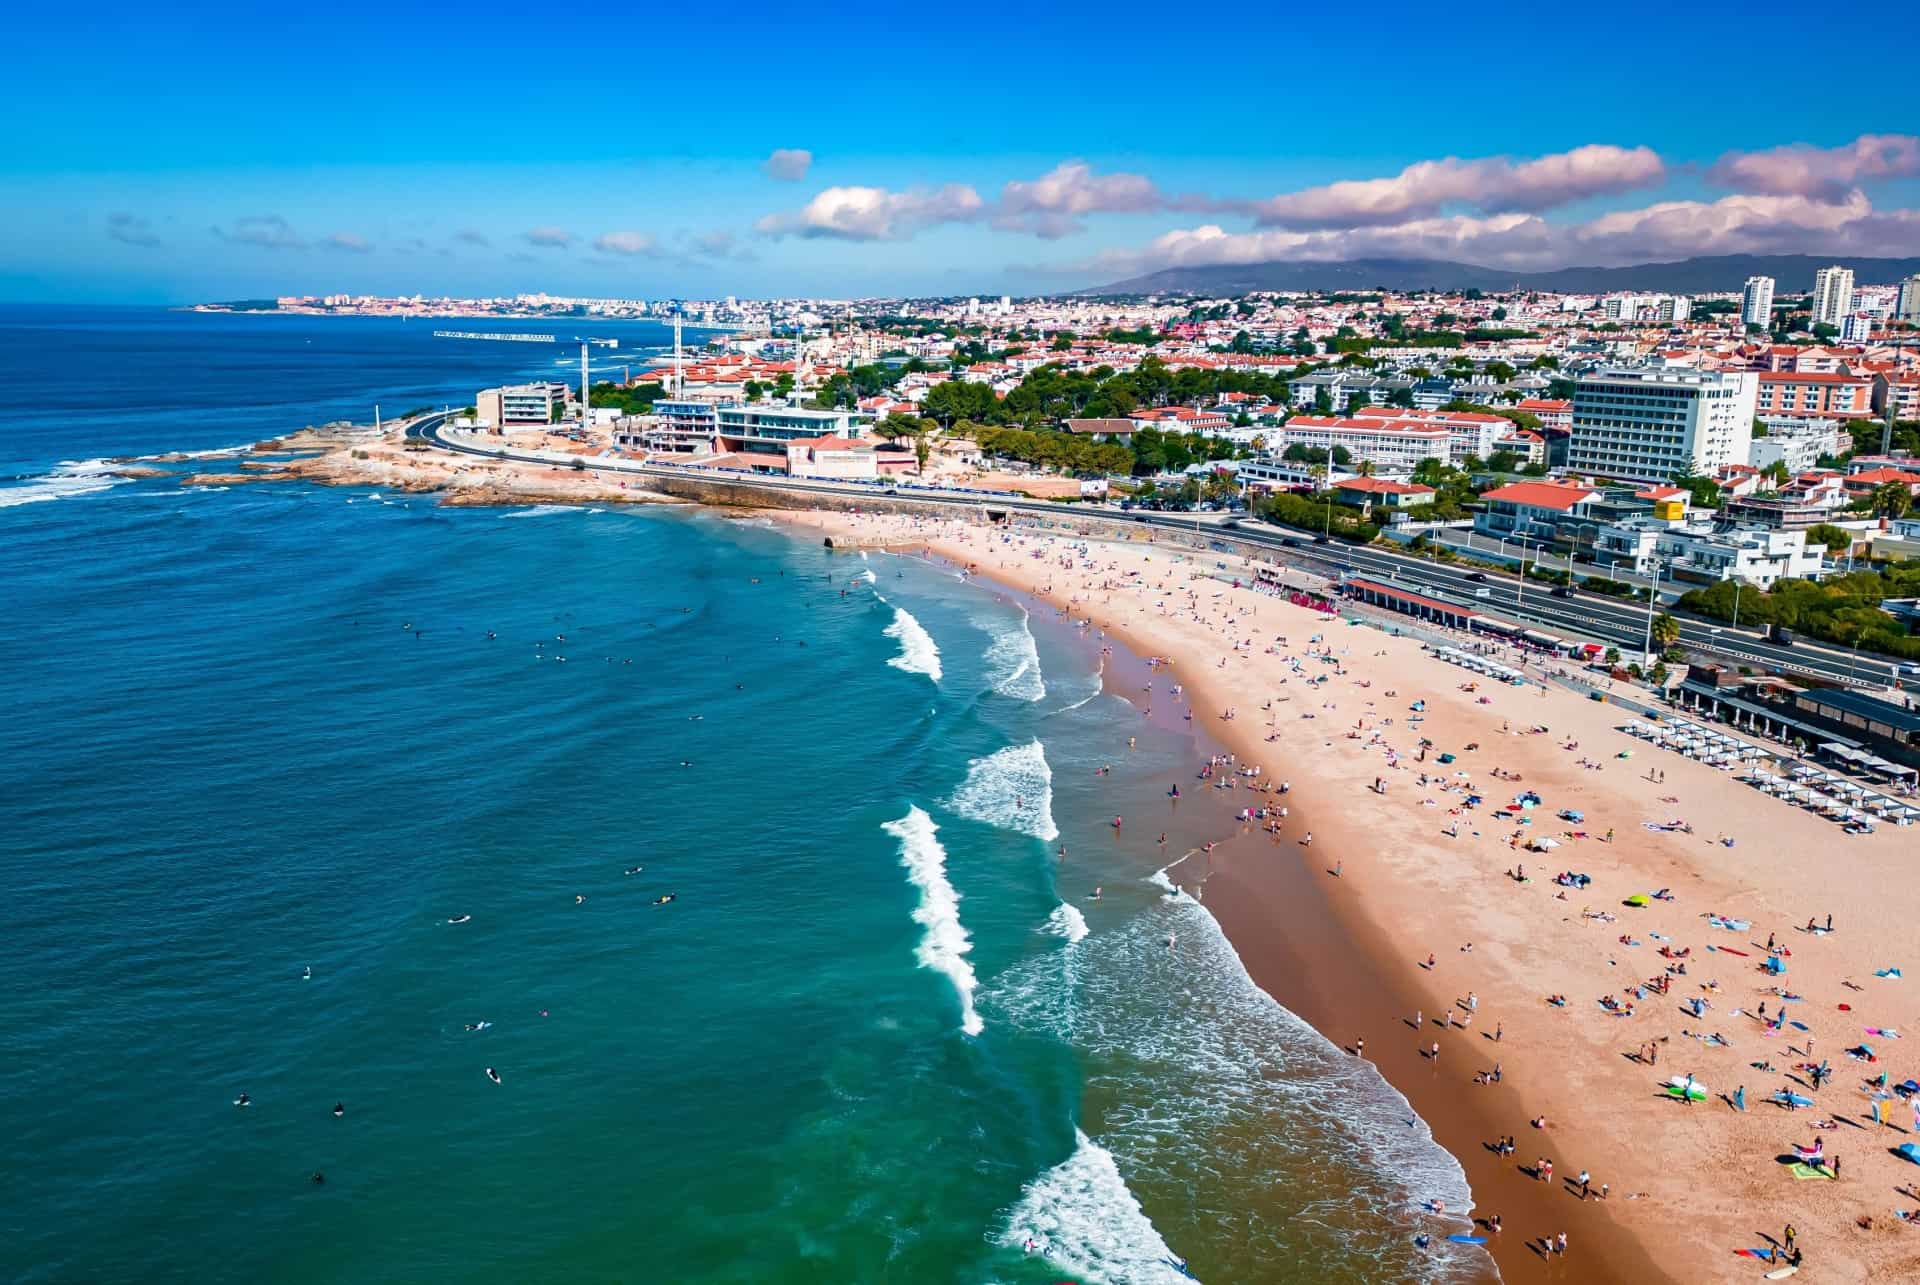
(1602, 610)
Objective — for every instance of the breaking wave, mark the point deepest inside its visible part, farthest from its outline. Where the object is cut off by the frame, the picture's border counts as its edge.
(919, 654)
(1013, 659)
(1012, 789)
(945, 944)
(72, 478)
(1084, 1220)
(1067, 921)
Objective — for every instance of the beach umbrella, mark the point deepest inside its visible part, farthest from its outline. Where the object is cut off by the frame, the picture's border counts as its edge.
(1638, 899)
(1908, 1151)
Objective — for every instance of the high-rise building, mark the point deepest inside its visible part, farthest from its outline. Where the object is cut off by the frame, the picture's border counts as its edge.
(1756, 302)
(1622, 307)
(1908, 308)
(1832, 295)
(1674, 308)
(1646, 424)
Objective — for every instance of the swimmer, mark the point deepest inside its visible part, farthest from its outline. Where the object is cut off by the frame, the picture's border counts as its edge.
(579, 899)
(339, 1109)
(493, 1075)
(307, 975)
(1171, 938)
(1096, 893)
(318, 1177)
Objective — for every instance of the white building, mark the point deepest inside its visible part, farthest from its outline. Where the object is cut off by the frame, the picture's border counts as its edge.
(1392, 446)
(1756, 302)
(1857, 327)
(1623, 307)
(1796, 441)
(519, 405)
(1908, 307)
(1757, 555)
(1646, 424)
(1832, 295)
(1673, 308)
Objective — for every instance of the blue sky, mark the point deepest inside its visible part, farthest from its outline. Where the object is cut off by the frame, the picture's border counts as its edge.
(201, 152)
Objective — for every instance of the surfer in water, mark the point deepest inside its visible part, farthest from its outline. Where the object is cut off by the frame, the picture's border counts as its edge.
(243, 1100)
(307, 975)
(460, 919)
(664, 898)
(339, 1109)
(493, 1075)
(634, 870)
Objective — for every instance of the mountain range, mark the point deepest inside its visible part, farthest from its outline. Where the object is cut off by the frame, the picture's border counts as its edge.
(1793, 274)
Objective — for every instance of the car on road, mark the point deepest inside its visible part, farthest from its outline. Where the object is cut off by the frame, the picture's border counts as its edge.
(1290, 542)
(1478, 577)
(1563, 591)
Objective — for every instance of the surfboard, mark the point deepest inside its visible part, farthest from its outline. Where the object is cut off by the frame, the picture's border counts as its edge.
(1728, 950)
(1468, 1240)
(1781, 1273)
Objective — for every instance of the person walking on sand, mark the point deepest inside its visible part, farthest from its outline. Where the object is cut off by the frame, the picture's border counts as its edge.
(1586, 1184)
(1790, 1235)
(1436, 1052)
(1560, 1244)
(1360, 1046)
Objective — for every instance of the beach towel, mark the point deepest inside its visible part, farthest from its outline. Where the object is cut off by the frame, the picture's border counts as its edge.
(1885, 1032)
(1804, 1172)
(1883, 1111)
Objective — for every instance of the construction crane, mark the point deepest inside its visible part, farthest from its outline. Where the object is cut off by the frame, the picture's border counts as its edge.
(586, 405)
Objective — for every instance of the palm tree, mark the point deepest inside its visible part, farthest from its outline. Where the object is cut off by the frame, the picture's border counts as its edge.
(1666, 630)
(1892, 499)
(1364, 468)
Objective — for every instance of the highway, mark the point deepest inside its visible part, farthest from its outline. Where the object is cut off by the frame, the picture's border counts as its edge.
(1586, 615)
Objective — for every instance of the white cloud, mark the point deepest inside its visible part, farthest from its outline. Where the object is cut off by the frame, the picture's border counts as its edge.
(788, 164)
(627, 243)
(1051, 205)
(874, 213)
(1493, 184)
(550, 238)
(1740, 224)
(1799, 169)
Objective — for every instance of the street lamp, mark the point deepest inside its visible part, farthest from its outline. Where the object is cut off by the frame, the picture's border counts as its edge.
(1653, 592)
(1738, 584)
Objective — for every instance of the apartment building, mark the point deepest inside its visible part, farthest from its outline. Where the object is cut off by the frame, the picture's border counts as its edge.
(1390, 445)
(1756, 301)
(1650, 423)
(1834, 396)
(1832, 295)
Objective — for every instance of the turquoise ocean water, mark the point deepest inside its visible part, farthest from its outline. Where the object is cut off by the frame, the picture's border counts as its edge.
(883, 1032)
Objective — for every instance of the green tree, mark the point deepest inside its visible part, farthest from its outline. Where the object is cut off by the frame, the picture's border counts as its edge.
(1836, 539)
(1892, 499)
(1666, 630)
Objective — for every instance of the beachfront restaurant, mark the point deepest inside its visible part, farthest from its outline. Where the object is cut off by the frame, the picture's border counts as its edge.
(1409, 603)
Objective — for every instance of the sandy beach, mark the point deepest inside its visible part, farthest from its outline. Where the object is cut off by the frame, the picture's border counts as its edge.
(1406, 924)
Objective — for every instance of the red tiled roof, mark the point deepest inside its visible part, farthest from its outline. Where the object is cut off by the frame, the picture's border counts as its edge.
(1541, 495)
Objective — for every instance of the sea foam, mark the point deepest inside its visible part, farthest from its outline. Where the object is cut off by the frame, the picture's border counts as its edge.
(918, 652)
(944, 945)
(1013, 660)
(1199, 1070)
(1012, 789)
(1086, 1221)
(72, 478)
(1067, 921)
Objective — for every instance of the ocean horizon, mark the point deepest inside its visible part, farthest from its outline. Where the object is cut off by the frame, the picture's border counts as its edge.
(762, 877)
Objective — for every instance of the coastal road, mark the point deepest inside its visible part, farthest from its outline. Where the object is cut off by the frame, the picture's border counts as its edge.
(1585, 615)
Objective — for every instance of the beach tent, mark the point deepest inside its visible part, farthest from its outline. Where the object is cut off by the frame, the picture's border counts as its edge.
(1908, 1151)
(1638, 899)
